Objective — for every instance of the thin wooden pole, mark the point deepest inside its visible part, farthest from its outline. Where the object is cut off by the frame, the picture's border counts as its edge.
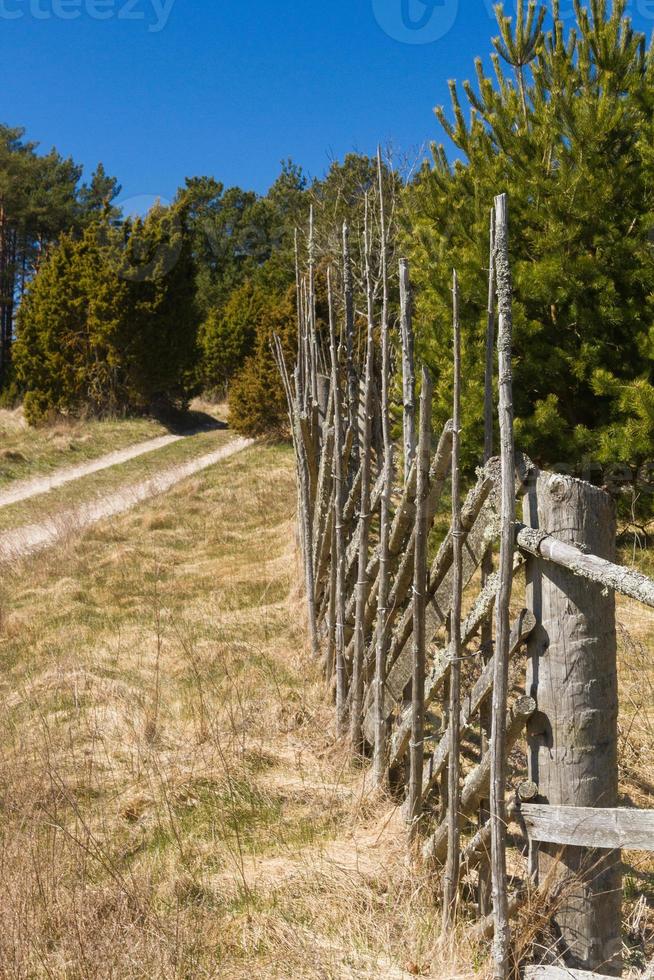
(502, 937)
(381, 733)
(352, 376)
(313, 340)
(486, 637)
(451, 876)
(490, 345)
(416, 748)
(356, 708)
(300, 330)
(338, 557)
(305, 517)
(408, 369)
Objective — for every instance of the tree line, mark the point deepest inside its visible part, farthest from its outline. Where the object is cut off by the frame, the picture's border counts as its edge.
(124, 315)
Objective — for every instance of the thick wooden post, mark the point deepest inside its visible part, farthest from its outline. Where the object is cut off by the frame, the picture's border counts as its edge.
(573, 739)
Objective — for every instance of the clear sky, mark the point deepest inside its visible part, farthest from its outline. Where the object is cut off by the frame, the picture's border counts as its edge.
(163, 89)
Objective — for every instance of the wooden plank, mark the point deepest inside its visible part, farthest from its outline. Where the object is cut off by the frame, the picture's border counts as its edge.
(561, 973)
(597, 827)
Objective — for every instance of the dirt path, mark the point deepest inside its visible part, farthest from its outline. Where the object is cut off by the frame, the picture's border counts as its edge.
(24, 489)
(30, 538)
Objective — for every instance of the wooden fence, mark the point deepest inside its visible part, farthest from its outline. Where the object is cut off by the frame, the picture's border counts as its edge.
(437, 698)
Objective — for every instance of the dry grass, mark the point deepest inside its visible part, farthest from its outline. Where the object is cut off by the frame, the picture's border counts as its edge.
(173, 803)
(56, 503)
(28, 452)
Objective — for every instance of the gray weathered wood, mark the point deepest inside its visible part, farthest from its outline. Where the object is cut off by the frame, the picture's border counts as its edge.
(599, 827)
(323, 497)
(477, 850)
(484, 885)
(338, 551)
(437, 673)
(573, 740)
(356, 706)
(451, 873)
(351, 504)
(591, 567)
(486, 928)
(521, 630)
(416, 751)
(351, 371)
(401, 550)
(502, 937)
(352, 550)
(305, 518)
(478, 522)
(380, 744)
(476, 783)
(560, 973)
(408, 368)
(313, 338)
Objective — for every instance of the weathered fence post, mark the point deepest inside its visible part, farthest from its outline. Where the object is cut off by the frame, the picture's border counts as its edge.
(408, 369)
(573, 740)
(485, 884)
(451, 876)
(419, 602)
(381, 734)
(498, 749)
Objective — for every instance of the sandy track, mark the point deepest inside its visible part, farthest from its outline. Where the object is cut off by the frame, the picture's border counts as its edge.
(24, 489)
(30, 538)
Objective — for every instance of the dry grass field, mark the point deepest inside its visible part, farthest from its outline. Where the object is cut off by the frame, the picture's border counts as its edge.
(173, 801)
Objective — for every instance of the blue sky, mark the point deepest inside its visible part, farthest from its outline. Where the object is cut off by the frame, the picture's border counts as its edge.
(163, 89)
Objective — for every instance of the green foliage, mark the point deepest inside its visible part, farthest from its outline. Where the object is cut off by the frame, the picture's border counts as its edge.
(226, 337)
(257, 404)
(40, 199)
(109, 322)
(570, 139)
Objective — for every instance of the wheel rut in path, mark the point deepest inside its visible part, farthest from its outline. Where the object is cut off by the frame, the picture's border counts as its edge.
(31, 538)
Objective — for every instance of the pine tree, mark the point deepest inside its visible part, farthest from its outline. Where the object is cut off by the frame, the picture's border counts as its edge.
(571, 143)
